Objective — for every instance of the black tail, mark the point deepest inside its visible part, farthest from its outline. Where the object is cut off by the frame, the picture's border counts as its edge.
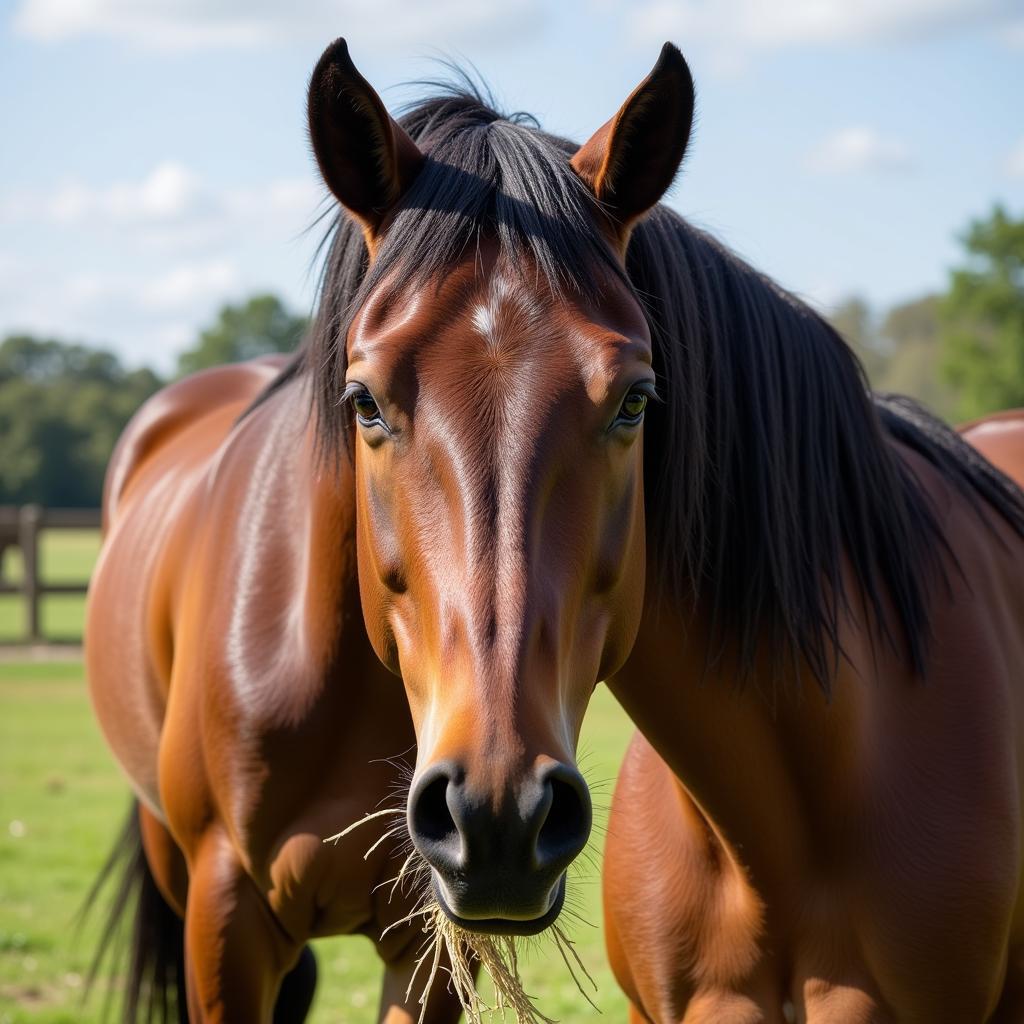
(154, 987)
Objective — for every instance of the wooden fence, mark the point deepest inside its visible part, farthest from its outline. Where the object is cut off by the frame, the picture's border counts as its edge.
(21, 527)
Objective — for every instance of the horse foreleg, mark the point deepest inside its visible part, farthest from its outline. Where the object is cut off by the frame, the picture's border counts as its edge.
(296, 994)
(236, 952)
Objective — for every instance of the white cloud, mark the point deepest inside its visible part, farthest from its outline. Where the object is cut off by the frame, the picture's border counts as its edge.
(143, 263)
(184, 287)
(170, 193)
(1014, 165)
(180, 289)
(171, 207)
(1013, 35)
(858, 149)
(147, 316)
(189, 24)
(749, 25)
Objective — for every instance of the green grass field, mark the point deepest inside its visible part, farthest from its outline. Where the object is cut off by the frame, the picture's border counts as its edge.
(66, 556)
(61, 802)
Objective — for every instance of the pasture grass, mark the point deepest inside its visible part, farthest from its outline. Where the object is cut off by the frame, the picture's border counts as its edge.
(65, 556)
(62, 801)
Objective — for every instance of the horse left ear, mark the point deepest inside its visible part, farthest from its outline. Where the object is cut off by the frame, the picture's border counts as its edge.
(366, 158)
(631, 160)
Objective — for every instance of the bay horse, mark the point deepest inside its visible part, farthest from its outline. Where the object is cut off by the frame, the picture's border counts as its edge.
(844, 856)
(499, 312)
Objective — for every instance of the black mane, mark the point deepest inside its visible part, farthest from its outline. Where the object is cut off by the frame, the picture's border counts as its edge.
(769, 460)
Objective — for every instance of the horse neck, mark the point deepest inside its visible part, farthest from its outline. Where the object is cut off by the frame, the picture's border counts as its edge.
(765, 757)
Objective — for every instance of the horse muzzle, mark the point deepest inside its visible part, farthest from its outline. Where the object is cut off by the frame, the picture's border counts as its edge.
(498, 863)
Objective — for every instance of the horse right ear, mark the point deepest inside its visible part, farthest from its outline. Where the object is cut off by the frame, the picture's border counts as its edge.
(365, 157)
(630, 161)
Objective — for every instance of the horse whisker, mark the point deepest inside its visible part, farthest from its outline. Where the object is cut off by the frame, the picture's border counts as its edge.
(387, 835)
(401, 873)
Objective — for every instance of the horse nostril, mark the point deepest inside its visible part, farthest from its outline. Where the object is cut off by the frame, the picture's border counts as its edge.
(566, 828)
(505, 857)
(431, 820)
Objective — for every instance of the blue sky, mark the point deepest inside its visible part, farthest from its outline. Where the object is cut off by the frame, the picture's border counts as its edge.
(154, 161)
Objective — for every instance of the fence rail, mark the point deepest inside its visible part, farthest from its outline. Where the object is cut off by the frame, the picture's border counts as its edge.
(20, 528)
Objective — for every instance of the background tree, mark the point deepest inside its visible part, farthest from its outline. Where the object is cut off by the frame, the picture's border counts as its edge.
(912, 334)
(257, 327)
(901, 351)
(982, 318)
(62, 407)
(854, 320)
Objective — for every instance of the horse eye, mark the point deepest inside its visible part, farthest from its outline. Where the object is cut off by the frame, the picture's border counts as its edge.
(366, 408)
(633, 406)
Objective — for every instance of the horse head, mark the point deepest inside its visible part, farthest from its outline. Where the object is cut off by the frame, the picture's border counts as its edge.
(494, 371)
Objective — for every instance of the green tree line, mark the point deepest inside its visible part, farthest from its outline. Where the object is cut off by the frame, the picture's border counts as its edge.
(960, 352)
(63, 405)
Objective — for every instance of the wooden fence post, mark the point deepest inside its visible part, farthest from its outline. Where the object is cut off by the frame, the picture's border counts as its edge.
(29, 521)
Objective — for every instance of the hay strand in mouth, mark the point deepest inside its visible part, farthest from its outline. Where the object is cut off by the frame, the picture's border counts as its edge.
(496, 955)
(453, 950)
(388, 812)
(567, 948)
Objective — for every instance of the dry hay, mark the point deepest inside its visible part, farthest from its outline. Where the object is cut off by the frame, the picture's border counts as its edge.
(450, 949)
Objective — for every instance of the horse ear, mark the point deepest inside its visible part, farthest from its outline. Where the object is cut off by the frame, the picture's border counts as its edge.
(365, 157)
(631, 160)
